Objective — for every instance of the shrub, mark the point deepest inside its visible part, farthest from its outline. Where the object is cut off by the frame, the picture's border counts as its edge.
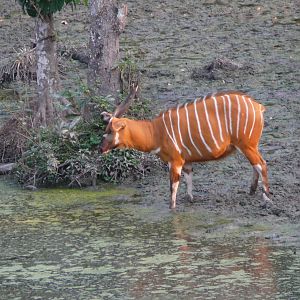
(68, 154)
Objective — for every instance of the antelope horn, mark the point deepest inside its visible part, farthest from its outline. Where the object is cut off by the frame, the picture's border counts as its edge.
(123, 106)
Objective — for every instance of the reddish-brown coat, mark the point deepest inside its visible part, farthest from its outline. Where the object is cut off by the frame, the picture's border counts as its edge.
(224, 122)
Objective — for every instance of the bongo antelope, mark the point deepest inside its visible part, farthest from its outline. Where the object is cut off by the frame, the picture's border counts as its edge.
(205, 129)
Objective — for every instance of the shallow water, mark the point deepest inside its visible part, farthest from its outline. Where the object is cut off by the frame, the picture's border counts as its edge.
(107, 244)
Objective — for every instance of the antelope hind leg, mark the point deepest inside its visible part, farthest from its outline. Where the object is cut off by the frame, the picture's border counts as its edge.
(260, 169)
(188, 176)
(254, 183)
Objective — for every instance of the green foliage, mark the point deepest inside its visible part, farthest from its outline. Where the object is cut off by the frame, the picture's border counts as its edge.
(140, 109)
(119, 164)
(35, 8)
(80, 97)
(72, 158)
(69, 154)
(39, 164)
(129, 71)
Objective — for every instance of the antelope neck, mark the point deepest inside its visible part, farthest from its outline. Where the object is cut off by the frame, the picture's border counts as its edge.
(142, 135)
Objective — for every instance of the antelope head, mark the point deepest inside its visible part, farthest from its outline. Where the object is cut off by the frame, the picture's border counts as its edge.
(115, 135)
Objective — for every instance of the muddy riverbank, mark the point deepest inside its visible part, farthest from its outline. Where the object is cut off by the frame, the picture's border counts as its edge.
(171, 41)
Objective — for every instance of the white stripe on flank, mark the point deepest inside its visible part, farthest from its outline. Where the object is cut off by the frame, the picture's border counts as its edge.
(238, 116)
(163, 117)
(261, 119)
(189, 129)
(253, 117)
(178, 123)
(262, 116)
(224, 103)
(209, 125)
(199, 128)
(229, 108)
(246, 122)
(218, 118)
(173, 134)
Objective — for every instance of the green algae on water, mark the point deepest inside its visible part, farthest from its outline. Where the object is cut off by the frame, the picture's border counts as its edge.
(65, 197)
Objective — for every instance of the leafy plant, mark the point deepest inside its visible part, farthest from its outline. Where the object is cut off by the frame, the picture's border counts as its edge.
(70, 155)
(35, 8)
(129, 72)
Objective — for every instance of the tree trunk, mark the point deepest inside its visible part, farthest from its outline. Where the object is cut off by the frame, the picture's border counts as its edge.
(107, 23)
(47, 70)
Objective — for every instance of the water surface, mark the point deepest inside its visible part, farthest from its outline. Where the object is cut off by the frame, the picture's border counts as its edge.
(108, 244)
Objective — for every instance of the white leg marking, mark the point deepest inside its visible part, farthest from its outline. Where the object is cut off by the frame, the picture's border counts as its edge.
(189, 129)
(176, 147)
(179, 131)
(238, 116)
(189, 183)
(173, 134)
(225, 115)
(199, 128)
(175, 186)
(218, 118)
(267, 199)
(255, 175)
(209, 125)
(117, 138)
(246, 122)
(229, 109)
(253, 118)
(258, 168)
(174, 192)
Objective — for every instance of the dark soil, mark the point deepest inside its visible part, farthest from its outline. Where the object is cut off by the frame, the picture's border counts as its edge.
(232, 45)
(188, 49)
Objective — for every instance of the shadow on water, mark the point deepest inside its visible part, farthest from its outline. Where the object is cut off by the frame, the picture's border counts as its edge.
(107, 244)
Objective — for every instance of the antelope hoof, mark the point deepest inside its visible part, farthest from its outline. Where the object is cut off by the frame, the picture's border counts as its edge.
(172, 206)
(267, 199)
(190, 198)
(252, 191)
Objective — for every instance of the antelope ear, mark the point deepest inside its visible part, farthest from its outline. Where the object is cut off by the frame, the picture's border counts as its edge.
(118, 125)
(106, 116)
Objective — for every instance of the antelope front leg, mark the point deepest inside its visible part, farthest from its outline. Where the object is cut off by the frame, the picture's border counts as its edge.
(175, 172)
